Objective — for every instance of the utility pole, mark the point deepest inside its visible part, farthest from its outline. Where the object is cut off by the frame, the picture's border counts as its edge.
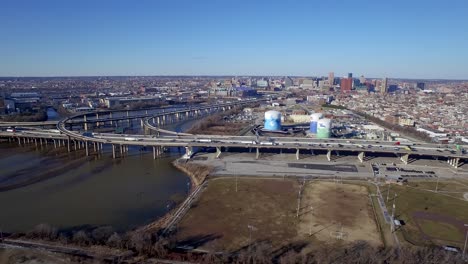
(298, 203)
(388, 191)
(393, 213)
(236, 182)
(466, 239)
(310, 226)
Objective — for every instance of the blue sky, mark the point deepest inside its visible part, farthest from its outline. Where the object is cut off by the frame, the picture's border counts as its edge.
(398, 38)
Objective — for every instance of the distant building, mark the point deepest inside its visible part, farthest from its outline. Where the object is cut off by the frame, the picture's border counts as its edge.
(420, 85)
(384, 86)
(362, 80)
(288, 82)
(307, 84)
(244, 91)
(346, 84)
(331, 78)
(262, 83)
(392, 88)
(350, 75)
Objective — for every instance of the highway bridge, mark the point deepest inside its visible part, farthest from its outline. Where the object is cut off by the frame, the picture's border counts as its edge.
(162, 139)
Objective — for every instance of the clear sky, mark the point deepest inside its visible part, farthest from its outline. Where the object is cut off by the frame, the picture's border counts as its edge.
(394, 38)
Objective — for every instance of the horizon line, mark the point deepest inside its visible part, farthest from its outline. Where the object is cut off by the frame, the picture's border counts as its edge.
(226, 75)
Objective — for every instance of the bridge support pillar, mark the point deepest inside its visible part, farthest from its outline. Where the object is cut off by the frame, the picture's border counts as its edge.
(154, 152)
(19, 141)
(35, 142)
(86, 148)
(454, 162)
(257, 155)
(297, 154)
(94, 147)
(55, 143)
(85, 124)
(113, 151)
(361, 156)
(404, 158)
(188, 152)
(329, 155)
(128, 118)
(218, 152)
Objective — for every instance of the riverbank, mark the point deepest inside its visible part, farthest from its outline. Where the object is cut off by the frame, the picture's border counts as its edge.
(197, 174)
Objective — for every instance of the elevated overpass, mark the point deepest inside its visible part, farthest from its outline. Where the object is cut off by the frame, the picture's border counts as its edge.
(165, 138)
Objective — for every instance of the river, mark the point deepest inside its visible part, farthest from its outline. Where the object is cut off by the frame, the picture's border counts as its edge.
(122, 193)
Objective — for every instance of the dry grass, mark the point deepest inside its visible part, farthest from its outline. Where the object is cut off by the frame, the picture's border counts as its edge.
(337, 206)
(197, 172)
(220, 219)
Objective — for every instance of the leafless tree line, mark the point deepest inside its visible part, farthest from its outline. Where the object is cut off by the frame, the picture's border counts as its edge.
(152, 245)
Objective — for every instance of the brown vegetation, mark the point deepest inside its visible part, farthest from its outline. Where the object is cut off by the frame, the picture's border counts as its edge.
(40, 115)
(146, 245)
(216, 125)
(197, 172)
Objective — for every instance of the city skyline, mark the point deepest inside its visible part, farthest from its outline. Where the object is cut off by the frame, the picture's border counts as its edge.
(54, 38)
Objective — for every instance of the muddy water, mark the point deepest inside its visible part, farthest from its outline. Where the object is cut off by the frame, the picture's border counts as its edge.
(123, 193)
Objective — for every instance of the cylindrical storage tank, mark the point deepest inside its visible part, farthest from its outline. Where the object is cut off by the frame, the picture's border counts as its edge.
(272, 120)
(323, 128)
(314, 118)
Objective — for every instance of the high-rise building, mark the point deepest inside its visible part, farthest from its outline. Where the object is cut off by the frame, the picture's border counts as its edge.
(384, 86)
(346, 84)
(362, 79)
(420, 85)
(331, 78)
(350, 75)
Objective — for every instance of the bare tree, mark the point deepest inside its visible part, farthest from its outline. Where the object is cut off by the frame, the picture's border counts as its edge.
(44, 231)
(114, 241)
(101, 234)
(81, 238)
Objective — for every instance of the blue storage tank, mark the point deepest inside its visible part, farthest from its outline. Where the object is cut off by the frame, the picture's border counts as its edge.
(272, 120)
(314, 118)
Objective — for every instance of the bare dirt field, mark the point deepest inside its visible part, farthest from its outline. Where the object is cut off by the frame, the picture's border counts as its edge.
(331, 210)
(220, 219)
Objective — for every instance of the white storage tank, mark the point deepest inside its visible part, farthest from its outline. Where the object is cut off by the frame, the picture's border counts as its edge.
(272, 120)
(323, 128)
(314, 118)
